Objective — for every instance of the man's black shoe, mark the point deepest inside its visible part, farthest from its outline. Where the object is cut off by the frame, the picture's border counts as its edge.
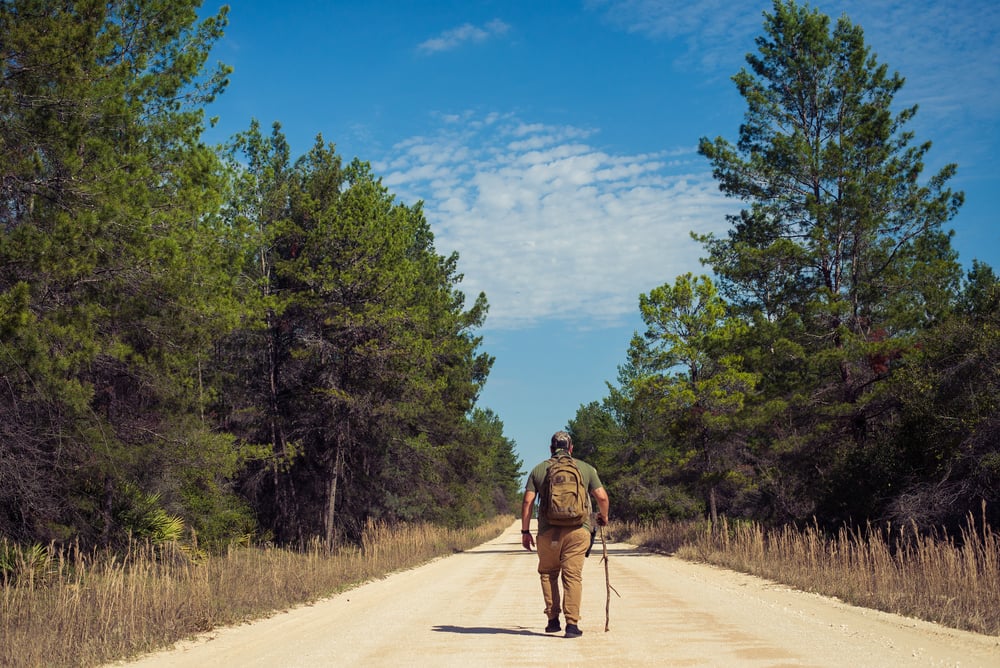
(573, 631)
(553, 626)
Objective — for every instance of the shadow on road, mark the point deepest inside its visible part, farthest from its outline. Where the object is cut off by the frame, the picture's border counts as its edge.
(489, 630)
(617, 551)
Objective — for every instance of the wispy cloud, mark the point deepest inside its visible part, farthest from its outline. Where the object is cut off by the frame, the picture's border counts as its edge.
(456, 37)
(949, 53)
(550, 226)
(716, 33)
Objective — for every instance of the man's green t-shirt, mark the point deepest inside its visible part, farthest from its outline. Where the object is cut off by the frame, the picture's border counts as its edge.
(537, 477)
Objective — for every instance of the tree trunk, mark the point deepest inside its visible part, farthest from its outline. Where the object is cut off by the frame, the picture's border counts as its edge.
(331, 501)
(283, 492)
(107, 510)
(713, 508)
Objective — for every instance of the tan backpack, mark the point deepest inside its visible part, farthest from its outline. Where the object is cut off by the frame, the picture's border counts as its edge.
(564, 500)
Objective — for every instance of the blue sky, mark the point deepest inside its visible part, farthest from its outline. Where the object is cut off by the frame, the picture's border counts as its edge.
(554, 146)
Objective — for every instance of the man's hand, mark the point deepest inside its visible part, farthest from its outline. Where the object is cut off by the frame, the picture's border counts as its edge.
(601, 520)
(528, 541)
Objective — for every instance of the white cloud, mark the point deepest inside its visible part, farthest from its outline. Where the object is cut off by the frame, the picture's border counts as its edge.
(456, 37)
(550, 226)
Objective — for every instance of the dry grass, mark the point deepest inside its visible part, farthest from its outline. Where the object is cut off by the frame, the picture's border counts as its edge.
(60, 607)
(951, 581)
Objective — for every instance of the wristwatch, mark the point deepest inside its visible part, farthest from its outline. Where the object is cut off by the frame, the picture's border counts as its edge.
(525, 531)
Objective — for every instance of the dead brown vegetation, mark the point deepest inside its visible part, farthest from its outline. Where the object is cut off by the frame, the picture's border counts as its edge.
(951, 580)
(61, 607)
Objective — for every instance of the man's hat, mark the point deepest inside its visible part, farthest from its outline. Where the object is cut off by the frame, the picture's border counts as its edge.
(561, 439)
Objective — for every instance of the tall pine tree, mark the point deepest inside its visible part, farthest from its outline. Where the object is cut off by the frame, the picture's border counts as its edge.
(114, 279)
(840, 254)
(362, 368)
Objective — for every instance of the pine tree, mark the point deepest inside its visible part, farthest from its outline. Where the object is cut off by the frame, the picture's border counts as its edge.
(700, 386)
(839, 257)
(363, 368)
(115, 279)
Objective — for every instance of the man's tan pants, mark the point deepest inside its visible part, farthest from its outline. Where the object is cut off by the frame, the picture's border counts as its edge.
(562, 550)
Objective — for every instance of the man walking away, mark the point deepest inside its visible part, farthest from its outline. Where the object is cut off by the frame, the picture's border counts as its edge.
(563, 532)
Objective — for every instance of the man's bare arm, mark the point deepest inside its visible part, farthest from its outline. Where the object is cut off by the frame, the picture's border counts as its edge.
(527, 540)
(603, 504)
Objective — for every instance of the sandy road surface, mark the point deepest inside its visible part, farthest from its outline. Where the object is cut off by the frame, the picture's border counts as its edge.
(483, 607)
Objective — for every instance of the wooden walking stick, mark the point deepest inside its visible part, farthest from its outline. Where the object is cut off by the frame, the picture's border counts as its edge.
(607, 581)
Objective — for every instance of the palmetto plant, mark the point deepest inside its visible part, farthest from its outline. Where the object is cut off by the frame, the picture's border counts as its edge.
(23, 564)
(143, 518)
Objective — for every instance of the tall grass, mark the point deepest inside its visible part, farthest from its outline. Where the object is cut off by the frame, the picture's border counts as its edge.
(954, 581)
(63, 607)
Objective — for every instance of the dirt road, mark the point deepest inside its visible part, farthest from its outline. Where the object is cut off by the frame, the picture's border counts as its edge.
(483, 607)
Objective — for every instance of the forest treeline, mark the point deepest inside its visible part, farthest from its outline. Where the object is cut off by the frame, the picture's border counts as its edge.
(236, 342)
(226, 342)
(836, 365)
